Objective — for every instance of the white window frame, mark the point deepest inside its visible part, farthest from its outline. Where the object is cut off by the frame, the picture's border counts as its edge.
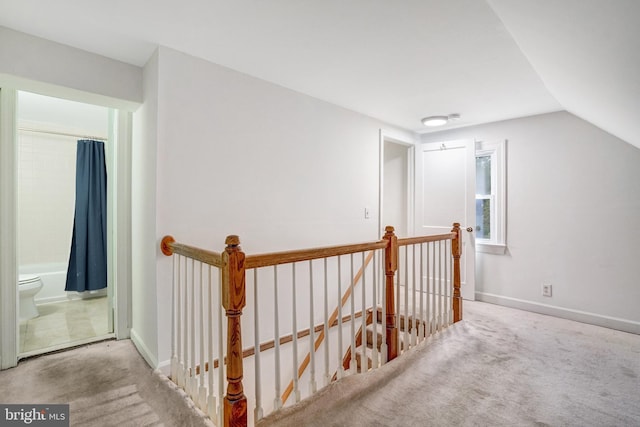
(497, 151)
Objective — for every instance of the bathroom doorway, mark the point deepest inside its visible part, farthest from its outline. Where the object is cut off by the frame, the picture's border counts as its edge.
(51, 315)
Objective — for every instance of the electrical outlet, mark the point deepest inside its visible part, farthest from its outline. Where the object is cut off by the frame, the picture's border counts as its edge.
(546, 289)
(366, 213)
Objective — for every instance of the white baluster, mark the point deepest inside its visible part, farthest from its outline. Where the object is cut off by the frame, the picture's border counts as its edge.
(193, 380)
(353, 365)
(211, 398)
(185, 329)
(447, 305)
(340, 371)
(434, 314)
(312, 334)
(202, 400)
(414, 329)
(364, 362)
(221, 365)
(406, 298)
(296, 390)
(277, 404)
(175, 327)
(374, 305)
(182, 377)
(422, 294)
(383, 300)
(450, 304)
(440, 302)
(257, 413)
(327, 376)
(398, 311)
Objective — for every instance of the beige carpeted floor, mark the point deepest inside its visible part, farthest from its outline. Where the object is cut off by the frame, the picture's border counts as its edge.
(499, 367)
(106, 384)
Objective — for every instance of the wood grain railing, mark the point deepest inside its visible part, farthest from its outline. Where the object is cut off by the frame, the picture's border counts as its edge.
(233, 263)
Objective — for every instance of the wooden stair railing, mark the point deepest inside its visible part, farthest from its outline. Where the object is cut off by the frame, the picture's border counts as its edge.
(233, 263)
(305, 362)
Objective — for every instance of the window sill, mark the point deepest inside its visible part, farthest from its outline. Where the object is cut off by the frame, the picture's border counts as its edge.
(491, 248)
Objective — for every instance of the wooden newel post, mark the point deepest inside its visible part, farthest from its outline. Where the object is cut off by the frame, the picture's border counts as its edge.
(456, 251)
(390, 267)
(233, 301)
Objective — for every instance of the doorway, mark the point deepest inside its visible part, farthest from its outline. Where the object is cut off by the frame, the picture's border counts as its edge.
(52, 315)
(118, 163)
(396, 207)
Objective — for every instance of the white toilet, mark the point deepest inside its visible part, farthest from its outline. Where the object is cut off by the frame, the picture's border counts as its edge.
(29, 285)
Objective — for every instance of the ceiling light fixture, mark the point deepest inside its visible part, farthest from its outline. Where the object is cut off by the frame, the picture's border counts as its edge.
(433, 121)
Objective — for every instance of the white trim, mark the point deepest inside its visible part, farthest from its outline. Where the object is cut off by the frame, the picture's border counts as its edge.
(67, 345)
(411, 174)
(490, 248)
(8, 238)
(8, 215)
(624, 325)
(498, 152)
(165, 367)
(122, 239)
(143, 350)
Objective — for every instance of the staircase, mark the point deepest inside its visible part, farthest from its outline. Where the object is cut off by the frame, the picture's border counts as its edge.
(373, 340)
(389, 295)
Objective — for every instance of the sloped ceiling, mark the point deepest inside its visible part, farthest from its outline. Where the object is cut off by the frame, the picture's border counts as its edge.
(395, 61)
(587, 53)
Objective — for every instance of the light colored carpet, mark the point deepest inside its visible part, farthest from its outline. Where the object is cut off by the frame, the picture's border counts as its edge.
(499, 367)
(106, 384)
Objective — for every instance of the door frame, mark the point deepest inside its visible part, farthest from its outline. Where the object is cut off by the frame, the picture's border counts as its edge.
(8, 236)
(121, 212)
(410, 208)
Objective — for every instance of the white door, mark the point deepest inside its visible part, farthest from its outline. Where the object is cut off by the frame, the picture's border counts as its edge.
(446, 191)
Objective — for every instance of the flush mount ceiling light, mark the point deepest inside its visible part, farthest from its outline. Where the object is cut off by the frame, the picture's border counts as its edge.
(433, 121)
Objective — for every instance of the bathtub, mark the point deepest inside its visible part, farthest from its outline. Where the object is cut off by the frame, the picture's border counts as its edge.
(54, 277)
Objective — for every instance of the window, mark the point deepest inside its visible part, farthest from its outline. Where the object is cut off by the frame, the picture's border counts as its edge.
(490, 197)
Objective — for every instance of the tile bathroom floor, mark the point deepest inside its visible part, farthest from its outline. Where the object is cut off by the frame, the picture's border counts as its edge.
(64, 323)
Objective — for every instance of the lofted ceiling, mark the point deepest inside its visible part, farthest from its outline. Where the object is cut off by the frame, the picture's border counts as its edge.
(397, 61)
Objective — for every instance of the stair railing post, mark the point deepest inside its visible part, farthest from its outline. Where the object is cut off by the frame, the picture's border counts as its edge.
(233, 301)
(456, 252)
(390, 267)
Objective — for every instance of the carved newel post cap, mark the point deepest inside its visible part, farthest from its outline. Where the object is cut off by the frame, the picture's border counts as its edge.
(456, 224)
(232, 240)
(165, 245)
(389, 229)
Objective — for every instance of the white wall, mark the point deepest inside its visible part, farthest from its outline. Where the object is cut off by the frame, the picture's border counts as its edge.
(395, 187)
(237, 155)
(143, 222)
(42, 61)
(573, 203)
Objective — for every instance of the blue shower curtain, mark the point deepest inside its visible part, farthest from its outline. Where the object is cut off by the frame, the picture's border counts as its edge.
(88, 259)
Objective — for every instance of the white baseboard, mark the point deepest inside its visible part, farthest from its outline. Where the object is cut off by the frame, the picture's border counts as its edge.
(165, 367)
(71, 296)
(564, 313)
(143, 350)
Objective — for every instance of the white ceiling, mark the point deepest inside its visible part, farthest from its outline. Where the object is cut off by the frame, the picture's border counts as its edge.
(397, 61)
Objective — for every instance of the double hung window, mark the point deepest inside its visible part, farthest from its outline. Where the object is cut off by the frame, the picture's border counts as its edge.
(491, 197)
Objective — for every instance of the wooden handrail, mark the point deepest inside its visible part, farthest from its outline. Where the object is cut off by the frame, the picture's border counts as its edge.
(406, 241)
(286, 257)
(233, 264)
(331, 321)
(168, 246)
